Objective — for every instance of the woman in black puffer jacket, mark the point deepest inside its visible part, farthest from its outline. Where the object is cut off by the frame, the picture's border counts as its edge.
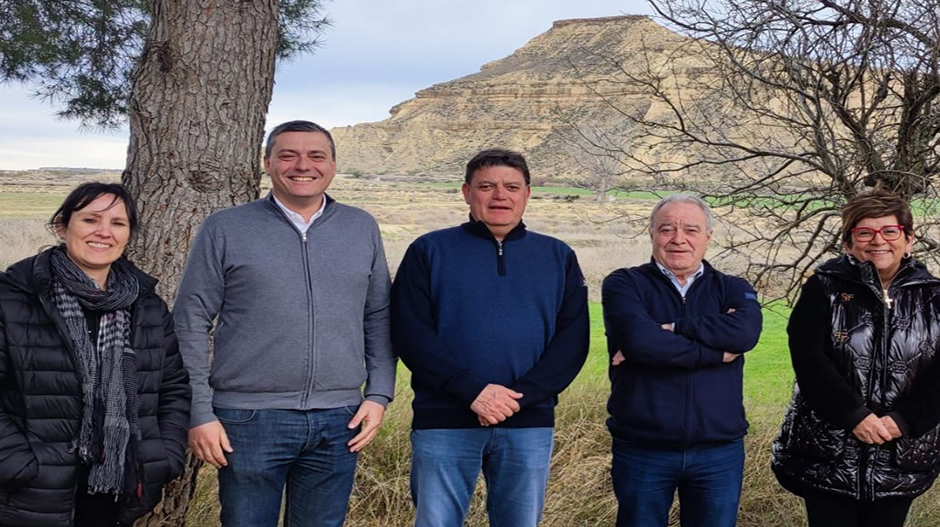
(859, 441)
(94, 399)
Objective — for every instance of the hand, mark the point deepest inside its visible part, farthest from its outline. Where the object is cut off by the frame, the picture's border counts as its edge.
(730, 357)
(495, 404)
(370, 416)
(891, 426)
(208, 442)
(618, 358)
(669, 327)
(872, 431)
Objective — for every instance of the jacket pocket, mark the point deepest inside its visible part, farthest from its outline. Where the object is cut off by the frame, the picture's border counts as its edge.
(230, 416)
(916, 455)
(19, 468)
(813, 437)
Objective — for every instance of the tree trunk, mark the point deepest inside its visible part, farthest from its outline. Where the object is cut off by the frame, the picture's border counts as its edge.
(197, 112)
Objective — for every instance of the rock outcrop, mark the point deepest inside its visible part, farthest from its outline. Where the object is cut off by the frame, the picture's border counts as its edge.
(568, 78)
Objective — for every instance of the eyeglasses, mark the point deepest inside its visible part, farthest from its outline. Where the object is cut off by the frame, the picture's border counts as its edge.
(888, 233)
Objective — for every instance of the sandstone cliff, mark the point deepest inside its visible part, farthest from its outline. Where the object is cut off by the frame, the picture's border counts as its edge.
(558, 80)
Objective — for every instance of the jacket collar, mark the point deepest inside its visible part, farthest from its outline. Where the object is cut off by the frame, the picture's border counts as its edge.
(478, 228)
(847, 267)
(653, 269)
(269, 201)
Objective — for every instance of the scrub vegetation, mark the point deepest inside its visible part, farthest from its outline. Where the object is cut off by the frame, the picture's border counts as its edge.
(605, 236)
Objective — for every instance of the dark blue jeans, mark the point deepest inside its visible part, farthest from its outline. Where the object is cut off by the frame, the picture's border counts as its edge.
(306, 450)
(708, 479)
(446, 464)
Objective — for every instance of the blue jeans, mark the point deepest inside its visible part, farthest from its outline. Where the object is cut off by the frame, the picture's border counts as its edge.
(306, 450)
(708, 479)
(445, 465)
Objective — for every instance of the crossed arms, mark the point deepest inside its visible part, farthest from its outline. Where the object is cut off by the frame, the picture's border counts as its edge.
(694, 341)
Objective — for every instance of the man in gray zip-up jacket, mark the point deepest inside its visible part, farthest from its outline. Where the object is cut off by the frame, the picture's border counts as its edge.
(297, 285)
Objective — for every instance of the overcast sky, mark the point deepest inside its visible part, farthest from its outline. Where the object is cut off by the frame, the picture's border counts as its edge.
(377, 53)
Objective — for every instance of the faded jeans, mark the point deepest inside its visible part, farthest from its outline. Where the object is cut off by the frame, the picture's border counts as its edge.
(306, 450)
(446, 463)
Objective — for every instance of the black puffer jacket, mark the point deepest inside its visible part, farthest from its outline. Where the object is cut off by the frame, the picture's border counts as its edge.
(854, 356)
(41, 400)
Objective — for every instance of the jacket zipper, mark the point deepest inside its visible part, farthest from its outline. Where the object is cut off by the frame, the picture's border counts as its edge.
(308, 282)
(688, 376)
(311, 371)
(870, 452)
(500, 259)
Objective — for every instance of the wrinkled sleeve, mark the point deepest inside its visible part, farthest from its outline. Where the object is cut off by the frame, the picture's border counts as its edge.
(198, 302)
(414, 331)
(822, 385)
(379, 358)
(735, 332)
(18, 464)
(175, 399)
(640, 338)
(566, 352)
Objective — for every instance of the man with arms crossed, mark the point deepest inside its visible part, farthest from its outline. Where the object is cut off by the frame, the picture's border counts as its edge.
(676, 332)
(492, 321)
(298, 285)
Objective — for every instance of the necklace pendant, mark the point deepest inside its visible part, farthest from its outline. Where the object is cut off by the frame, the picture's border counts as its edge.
(888, 300)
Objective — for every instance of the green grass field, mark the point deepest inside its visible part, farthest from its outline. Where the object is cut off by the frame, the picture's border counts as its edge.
(29, 204)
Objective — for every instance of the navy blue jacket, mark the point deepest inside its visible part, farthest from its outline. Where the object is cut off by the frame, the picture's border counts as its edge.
(673, 390)
(468, 311)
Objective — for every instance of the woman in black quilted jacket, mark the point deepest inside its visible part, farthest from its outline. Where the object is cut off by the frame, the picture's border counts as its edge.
(859, 441)
(94, 399)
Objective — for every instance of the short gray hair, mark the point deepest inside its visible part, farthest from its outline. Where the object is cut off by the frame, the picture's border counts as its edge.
(685, 198)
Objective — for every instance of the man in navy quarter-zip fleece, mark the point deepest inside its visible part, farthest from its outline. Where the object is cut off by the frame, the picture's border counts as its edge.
(677, 330)
(492, 321)
(302, 368)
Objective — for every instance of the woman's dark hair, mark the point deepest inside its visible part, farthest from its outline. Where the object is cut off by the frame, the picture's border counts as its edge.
(875, 204)
(86, 193)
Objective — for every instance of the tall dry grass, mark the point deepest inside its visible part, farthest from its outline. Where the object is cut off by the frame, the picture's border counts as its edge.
(579, 491)
(22, 237)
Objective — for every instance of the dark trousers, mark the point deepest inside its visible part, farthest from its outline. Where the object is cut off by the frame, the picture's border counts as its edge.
(824, 510)
(707, 477)
(93, 510)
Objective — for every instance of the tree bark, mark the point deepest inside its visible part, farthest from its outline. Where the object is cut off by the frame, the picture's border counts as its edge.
(197, 111)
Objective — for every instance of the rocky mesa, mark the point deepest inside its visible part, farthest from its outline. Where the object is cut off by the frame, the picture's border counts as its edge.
(561, 80)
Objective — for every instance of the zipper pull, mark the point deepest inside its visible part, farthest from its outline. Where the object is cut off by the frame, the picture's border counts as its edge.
(500, 261)
(887, 299)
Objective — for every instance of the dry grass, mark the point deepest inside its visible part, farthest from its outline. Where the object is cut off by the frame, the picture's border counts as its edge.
(579, 492)
(22, 237)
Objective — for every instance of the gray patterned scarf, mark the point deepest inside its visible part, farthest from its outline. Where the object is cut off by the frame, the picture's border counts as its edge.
(107, 372)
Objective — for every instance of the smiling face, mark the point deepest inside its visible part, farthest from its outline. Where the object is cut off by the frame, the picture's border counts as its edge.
(497, 196)
(301, 167)
(886, 255)
(680, 237)
(96, 236)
